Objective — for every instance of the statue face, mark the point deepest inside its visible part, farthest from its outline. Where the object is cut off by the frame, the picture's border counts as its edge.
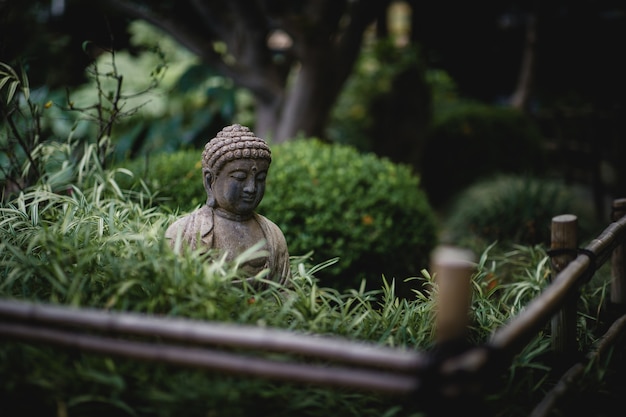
(240, 185)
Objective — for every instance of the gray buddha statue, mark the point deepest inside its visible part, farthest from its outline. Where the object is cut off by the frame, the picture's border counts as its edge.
(234, 167)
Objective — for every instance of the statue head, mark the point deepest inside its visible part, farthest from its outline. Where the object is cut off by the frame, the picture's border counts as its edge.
(240, 161)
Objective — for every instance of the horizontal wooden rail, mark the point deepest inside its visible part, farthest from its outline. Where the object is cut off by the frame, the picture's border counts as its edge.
(219, 334)
(522, 328)
(573, 374)
(234, 363)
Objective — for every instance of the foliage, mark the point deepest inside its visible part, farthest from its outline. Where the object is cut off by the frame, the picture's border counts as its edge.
(328, 199)
(159, 98)
(76, 236)
(175, 177)
(17, 142)
(334, 201)
(39, 140)
(514, 209)
(507, 279)
(471, 141)
(386, 108)
(380, 61)
(97, 247)
(192, 102)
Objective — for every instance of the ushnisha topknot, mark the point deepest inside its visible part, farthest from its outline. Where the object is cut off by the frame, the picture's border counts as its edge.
(233, 142)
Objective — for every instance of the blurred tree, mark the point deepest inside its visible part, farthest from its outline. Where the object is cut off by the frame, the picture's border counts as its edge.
(293, 56)
(489, 48)
(559, 61)
(46, 37)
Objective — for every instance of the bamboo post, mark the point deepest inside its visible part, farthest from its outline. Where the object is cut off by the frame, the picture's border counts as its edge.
(618, 261)
(453, 268)
(564, 235)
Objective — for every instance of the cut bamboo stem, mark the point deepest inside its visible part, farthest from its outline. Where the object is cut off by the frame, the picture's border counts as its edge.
(453, 268)
(618, 261)
(564, 235)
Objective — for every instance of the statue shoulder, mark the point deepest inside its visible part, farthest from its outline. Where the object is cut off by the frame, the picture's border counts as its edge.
(270, 228)
(279, 261)
(199, 221)
(265, 222)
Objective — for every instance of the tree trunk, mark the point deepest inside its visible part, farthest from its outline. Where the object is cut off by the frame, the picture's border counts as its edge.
(308, 103)
(267, 118)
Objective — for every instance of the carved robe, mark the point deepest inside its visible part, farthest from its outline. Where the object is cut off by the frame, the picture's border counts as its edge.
(198, 225)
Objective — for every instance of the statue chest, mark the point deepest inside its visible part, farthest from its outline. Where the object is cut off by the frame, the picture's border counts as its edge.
(235, 237)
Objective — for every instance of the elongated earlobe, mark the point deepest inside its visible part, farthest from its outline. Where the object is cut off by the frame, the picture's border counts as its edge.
(210, 200)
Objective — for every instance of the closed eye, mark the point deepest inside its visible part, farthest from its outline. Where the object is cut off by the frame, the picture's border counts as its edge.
(239, 175)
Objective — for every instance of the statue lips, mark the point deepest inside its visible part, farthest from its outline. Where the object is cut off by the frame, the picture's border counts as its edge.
(248, 198)
(248, 201)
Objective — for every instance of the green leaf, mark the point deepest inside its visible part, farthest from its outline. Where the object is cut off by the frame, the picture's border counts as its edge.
(193, 77)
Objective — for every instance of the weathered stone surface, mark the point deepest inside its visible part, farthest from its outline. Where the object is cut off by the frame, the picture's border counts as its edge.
(234, 167)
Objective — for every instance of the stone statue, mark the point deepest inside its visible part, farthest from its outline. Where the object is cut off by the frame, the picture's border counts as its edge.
(234, 168)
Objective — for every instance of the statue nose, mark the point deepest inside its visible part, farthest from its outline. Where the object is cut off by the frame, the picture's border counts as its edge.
(249, 186)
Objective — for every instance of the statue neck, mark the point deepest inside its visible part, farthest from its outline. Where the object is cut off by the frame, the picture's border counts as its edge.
(232, 216)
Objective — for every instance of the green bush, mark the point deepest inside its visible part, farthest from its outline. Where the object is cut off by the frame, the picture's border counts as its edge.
(328, 199)
(366, 210)
(175, 177)
(472, 141)
(514, 209)
(381, 62)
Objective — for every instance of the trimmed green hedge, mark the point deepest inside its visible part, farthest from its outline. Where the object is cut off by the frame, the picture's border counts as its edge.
(329, 199)
(366, 210)
(175, 178)
(515, 209)
(472, 141)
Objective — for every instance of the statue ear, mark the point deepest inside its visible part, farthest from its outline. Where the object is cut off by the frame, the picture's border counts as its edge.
(207, 179)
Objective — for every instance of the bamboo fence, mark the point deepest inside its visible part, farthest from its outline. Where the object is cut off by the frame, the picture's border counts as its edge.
(312, 359)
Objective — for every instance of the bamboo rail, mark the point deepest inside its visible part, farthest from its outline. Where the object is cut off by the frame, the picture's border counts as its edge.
(232, 363)
(574, 373)
(374, 368)
(520, 330)
(219, 334)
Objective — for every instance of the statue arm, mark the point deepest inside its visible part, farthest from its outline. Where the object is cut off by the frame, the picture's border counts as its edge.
(280, 269)
(193, 229)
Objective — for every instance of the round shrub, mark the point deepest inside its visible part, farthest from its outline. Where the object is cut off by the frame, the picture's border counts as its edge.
(514, 209)
(473, 141)
(329, 199)
(337, 202)
(176, 177)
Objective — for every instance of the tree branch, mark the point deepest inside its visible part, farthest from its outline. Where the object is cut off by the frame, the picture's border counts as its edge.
(197, 44)
(199, 37)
